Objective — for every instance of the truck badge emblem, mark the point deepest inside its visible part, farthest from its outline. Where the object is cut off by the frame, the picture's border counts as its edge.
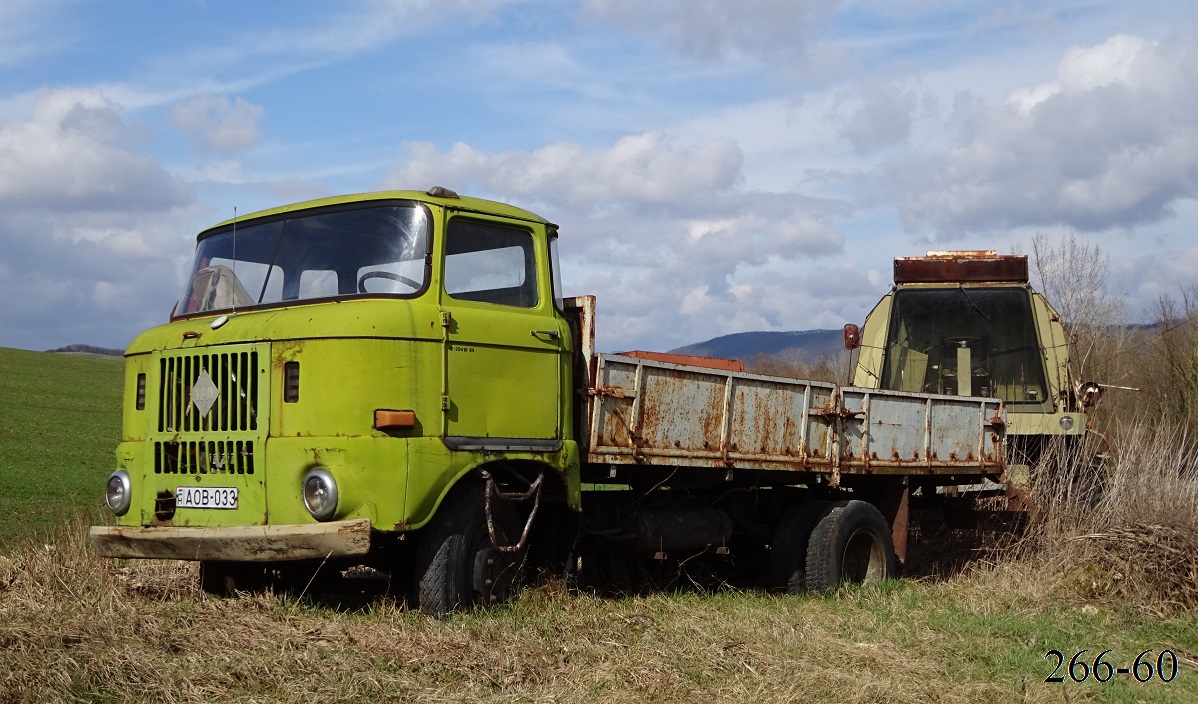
(204, 393)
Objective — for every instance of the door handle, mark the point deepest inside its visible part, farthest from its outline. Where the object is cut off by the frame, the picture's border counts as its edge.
(551, 334)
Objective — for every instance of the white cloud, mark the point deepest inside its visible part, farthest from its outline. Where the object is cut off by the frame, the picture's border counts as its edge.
(82, 223)
(21, 34)
(219, 123)
(1121, 60)
(368, 24)
(1113, 142)
(644, 168)
(713, 29)
(72, 154)
(664, 233)
(879, 116)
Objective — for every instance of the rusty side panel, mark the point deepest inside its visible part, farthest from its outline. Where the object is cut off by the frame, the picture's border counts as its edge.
(688, 360)
(646, 412)
(580, 317)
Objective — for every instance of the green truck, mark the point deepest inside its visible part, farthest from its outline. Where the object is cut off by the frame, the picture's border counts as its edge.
(395, 380)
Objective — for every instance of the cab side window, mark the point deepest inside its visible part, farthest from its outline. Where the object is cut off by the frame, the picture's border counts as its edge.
(490, 263)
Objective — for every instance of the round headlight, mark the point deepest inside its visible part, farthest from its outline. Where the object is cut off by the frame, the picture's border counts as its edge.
(320, 494)
(118, 493)
(1066, 423)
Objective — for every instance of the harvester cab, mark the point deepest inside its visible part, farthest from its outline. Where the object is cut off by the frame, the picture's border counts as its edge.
(970, 324)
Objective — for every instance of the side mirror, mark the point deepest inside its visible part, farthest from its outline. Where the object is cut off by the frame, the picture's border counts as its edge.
(852, 336)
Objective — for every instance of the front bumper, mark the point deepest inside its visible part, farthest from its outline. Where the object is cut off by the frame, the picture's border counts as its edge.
(271, 543)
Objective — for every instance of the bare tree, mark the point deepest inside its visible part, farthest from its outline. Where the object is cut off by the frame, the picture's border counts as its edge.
(1075, 278)
(1174, 381)
(795, 363)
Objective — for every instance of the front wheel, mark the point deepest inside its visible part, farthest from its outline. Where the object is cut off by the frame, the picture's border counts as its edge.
(851, 543)
(457, 566)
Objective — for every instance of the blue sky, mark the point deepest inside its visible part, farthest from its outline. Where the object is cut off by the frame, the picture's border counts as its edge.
(715, 167)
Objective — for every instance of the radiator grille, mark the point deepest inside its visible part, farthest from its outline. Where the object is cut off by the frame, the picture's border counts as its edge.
(207, 457)
(236, 377)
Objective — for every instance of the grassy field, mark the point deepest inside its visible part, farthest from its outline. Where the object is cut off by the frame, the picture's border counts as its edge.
(72, 629)
(76, 628)
(60, 420)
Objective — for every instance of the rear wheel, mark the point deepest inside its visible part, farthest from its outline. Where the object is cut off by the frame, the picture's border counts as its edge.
(457, 566)
(788, 552)
(851, 544)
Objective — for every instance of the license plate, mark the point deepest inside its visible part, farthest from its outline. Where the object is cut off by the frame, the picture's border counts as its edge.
(206, 497)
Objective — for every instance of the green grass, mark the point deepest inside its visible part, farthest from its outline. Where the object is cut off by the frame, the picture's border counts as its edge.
(60, 421)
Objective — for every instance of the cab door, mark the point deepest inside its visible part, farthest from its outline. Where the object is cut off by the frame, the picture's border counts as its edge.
(504, 343)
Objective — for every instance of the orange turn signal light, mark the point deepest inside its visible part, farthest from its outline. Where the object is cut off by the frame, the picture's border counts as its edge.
(394, 420)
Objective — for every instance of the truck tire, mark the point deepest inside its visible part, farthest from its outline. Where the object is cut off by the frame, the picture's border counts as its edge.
(457, 567)
(220, 578)
(788, 552)
(851, 543)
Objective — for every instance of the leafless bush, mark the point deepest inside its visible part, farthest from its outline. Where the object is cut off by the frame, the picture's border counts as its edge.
(1170, 352)
(796, 363)
(1124, 530)
(1075, 278)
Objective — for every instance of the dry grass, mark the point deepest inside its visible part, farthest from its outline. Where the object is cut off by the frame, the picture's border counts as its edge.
(1127, 535)
(73, 627)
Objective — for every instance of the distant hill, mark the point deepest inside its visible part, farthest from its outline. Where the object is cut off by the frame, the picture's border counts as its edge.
(746, 345)
(90, 349)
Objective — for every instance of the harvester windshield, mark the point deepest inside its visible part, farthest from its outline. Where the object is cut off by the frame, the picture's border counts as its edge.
(350, 251)
(966, 342)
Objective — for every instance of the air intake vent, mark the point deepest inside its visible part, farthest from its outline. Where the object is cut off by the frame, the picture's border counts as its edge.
(235, 375)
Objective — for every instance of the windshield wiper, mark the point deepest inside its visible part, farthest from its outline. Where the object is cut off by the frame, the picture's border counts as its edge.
(974, 305)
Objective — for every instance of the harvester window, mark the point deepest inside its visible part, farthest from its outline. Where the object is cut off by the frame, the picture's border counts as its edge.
(490, 264)
(967, 342)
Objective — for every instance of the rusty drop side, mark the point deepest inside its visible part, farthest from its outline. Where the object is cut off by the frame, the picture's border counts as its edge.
(655, 413)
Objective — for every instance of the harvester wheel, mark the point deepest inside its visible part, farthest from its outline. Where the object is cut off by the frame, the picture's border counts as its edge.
(851, 543)
(457, 567)
(788, 552)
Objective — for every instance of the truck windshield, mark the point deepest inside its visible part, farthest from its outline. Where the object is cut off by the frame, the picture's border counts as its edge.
(967, 342)
(355, 251)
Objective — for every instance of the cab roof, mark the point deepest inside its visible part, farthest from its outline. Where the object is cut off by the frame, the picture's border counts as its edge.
(436, 195)
(961, 267)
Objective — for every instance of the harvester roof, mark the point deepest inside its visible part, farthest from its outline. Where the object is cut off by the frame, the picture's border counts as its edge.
(961, 267)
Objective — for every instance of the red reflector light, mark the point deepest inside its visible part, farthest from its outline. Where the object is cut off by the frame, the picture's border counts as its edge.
(291, 382)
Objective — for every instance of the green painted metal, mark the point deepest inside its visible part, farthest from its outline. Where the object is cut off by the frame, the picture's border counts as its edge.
(460, 203)
(464, 368)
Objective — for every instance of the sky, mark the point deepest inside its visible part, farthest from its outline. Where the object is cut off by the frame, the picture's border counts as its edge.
(714, 166)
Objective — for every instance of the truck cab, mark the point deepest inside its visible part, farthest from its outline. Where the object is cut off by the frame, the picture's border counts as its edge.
(333, 370)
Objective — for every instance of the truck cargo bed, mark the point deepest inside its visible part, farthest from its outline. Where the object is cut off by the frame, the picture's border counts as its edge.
(655, 413)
